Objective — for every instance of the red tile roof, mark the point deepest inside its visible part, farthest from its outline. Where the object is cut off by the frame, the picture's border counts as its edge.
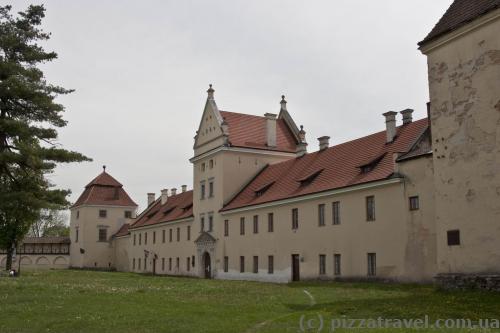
(106, 191)
(458, 14)
(123, 231)
(46, 240)
(333, 168)
(249, 131)
(177, 207)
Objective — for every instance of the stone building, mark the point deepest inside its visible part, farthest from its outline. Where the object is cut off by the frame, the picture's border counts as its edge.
(416, 200)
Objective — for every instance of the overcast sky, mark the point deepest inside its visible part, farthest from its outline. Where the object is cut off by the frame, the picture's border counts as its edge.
(141, 70)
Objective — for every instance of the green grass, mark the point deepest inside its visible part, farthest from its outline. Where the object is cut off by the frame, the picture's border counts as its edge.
(83, 301)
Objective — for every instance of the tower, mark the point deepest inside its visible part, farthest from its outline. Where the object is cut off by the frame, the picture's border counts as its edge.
(100, 211)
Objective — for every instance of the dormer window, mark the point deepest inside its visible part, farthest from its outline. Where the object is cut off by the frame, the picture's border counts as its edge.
(308, 179)
(169, 210)
(369, 166)
(261, 190)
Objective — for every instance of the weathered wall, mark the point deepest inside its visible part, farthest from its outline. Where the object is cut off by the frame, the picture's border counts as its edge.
(464, 87)
(34, 261)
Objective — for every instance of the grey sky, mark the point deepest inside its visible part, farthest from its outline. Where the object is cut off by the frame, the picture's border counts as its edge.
(141, 69)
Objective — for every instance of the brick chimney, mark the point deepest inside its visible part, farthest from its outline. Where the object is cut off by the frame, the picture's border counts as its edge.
(151, 198)
(164, 196)
(407, 117)
(271, 129)
(184, 188)
(324, 142)
(390, 125)
(173, 191)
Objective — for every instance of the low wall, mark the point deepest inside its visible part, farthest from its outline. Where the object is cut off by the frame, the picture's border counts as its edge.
(40, 261)
(469, 281)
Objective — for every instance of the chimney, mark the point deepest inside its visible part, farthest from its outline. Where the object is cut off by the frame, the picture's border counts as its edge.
(271, 129)
(390, 125)
(151, 198)
(210, 92)
(301, 149)
(324, 142)
(173, 191)
(407, 118)
(164, 196)
(184, 188)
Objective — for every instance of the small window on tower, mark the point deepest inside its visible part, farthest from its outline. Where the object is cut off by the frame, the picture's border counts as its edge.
(128, 214)
(103, 234)
(453, 237)
(414, 203)
(103, 213)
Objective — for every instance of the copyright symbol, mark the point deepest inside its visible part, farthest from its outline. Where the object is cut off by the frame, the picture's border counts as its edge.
(311, 324)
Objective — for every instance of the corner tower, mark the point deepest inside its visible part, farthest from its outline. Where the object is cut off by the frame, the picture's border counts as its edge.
(100, 211)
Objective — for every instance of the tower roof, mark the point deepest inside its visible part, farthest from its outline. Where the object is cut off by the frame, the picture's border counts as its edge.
(104, 190)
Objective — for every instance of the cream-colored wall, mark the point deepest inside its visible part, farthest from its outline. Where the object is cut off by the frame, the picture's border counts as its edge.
(122, 247)
(97, 254)
(38, 261)
(464, 86)
(164, 250)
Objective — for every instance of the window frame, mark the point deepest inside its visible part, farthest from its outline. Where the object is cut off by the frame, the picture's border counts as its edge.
(322, 264)
(372, 264)
(337, 264)
(414, 202)
(370, 208)
(270, 264)
(321, 215)
(242, 226)
(270, 222)
(103, 213)
(256, 224)
(99, 235)
(336, 213)
(295, 218)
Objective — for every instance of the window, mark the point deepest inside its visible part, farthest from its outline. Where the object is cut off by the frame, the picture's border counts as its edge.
(139, 264)
(414, 203)
(203, 166)
(211, 189)
(242, 226)
(192, 261)
(202, 224)
(188, 263)
(140, 237)
(211, 164)
(226, 228)
(178, 234)
(372, 264)
(270, 222)
(295, 218)
(226, 264)
(321, 215)
(170, 237)
(322, 264)
(336, 264)
(163, 236)
(210, 223)
(270, 265)
(163, 264)
(453, 237)
(169, 264)
(103, 234)
(145, 238)
(177, 265)
(77, 214)
(255, 264)
(203, 190)
(242, 264)
(188, 232)
(256, 224)
(103, 213)
(154, 237)
(128, 214)
(336, 212)
(370, 208)
(133, 263)
(77, 232)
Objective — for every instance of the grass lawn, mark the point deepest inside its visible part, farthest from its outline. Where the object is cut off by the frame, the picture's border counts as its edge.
(83, 301)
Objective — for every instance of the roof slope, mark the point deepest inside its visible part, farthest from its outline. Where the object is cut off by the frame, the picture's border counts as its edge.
(177, 207)
(123, 231)
(106, 191)
(249, 131)
(46, 240)
(458, 14)
(336, 167)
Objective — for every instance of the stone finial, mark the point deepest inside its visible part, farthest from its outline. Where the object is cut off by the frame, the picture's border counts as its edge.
(210, 92)
(103, 168)
(283, 102)
(302, 134)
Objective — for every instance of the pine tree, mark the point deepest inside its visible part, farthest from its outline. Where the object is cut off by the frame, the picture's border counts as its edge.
(29, 118)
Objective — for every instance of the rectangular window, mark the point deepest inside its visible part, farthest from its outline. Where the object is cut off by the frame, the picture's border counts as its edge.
(226, 228)
(203, 191)
(210, 223)
(188, 232)
(226, 264)
(256, 224)
(163, 264)
(154, 237)
(169, 264)
(203, 167)
(133, 264)
(211, 189)
(295, 218)
(255, 264)
(270, 265)
(77, 214)
(177, 265)
(170, 237)
(336, 212)
(242, 264)
(128, 214)
(370, 208)
(336, 264)
(270, 222)
(178, 234)
(242, 226)
(188, 263)
(372, 264)
(202, 224)
(321, 215)
(453, 237)
(163, 236)
(140, 237)
(414, 204)
(322, 264)
(135, 238)
(139, 264)
(145, 238)
(77, 236)
(103, 234)
(103, 213)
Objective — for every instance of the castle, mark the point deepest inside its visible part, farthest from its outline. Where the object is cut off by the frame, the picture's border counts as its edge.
(417, 200)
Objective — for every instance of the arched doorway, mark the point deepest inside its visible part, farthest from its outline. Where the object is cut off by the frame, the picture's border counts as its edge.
(206, 265)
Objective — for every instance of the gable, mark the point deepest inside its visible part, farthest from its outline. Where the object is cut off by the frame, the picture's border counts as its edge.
(210, 124)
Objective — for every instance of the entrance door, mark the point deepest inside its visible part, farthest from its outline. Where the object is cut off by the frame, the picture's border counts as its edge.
(206, 265)
(295, 267)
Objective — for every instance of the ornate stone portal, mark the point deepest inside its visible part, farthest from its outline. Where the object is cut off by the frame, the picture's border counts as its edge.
(205, 249)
